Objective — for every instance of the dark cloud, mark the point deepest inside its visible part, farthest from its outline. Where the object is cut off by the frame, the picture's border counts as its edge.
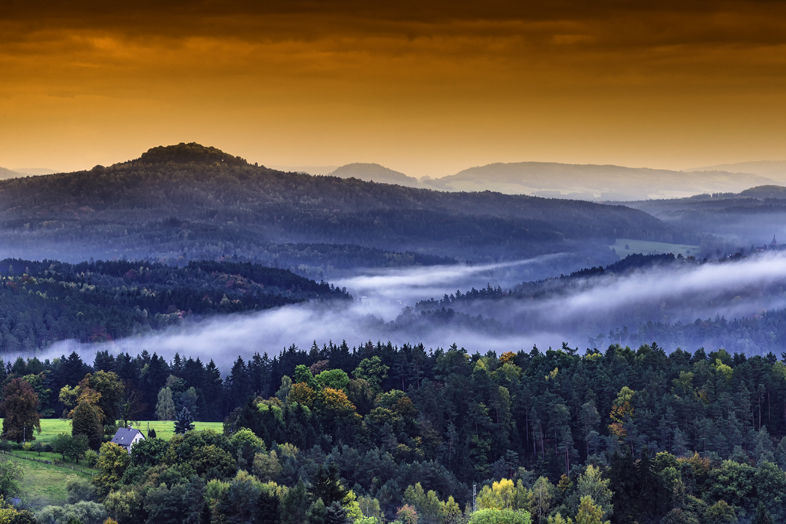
(495, 80)
(602, 23)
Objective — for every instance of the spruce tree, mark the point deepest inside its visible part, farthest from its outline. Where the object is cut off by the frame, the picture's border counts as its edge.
(184, 422)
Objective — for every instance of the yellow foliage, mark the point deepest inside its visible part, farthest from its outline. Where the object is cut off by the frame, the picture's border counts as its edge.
(302, 393)
(336, 400)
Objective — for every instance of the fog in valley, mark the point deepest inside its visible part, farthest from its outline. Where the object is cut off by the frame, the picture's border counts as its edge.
(385, 308)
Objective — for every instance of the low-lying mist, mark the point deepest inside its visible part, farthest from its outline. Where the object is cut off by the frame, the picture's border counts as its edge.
(384, 308)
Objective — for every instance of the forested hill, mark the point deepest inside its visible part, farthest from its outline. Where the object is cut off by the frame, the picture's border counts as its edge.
(753, 215)
(200, 202)
(42, 302)
(654, 297)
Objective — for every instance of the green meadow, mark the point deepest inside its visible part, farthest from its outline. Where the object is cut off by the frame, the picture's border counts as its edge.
(51, 427)
(43, 484)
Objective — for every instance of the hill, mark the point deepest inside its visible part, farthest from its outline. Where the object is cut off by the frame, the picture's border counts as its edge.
(43, 302)
(189, 202)
(375, 173)
(8, 173)
(751, 216)
(35, 171)
(593, 182)
(772, 169)
(734, 302)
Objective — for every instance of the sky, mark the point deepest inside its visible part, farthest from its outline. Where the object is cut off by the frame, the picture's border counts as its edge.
(426, 88)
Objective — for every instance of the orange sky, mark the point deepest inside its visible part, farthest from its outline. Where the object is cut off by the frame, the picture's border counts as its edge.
(425, 89)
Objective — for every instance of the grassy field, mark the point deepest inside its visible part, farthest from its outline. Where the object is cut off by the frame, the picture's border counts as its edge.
(626, 246)
(44, 484)
(51, 427)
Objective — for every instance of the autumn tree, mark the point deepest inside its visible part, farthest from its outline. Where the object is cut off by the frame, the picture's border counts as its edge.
(589, 512)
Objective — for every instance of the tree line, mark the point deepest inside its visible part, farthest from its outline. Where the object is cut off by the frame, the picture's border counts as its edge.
(647, 435)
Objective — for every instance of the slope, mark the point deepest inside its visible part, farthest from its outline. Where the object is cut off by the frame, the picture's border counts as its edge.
(751, 216)
(188, 201)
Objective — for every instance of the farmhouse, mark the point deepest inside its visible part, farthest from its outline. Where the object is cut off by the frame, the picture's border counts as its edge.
(127, 437)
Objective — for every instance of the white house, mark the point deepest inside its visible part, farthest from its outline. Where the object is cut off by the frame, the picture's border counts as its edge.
(127, 437)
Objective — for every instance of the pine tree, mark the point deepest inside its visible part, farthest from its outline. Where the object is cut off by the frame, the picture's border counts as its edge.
(184, 422)
(762, 517)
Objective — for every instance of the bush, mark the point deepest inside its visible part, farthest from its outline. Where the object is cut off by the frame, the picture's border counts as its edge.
(84, 512)
(79, 490)
(91, 458)
(500, 516)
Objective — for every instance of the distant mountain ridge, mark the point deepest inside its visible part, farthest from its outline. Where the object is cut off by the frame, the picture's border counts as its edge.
(774, 169)
(9, 173)
(189, 201)
(753, 215)
(593, 182)
(375, 173)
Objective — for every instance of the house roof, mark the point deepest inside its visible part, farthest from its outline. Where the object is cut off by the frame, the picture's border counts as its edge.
(125, 436)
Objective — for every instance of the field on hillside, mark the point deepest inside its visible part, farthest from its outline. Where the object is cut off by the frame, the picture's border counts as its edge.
(627, 246)
(44, 484)
(51, 427)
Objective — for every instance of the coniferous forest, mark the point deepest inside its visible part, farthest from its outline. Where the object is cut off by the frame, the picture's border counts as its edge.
(377, 430)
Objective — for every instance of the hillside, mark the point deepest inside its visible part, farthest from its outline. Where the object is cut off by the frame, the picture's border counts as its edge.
(735, 303)
(375, 173)
(42, 302)
(188, 202)
(593, 182)
(752, 215)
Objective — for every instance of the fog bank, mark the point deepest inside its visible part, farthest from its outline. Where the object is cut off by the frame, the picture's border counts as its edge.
(383, 310)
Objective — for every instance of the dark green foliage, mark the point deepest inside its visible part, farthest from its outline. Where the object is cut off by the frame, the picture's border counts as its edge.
(267, 508)
(175, 504)
(20, 409)
(86, 421)
(762, 517)
(448, 419)
(335, 514)
(43, 302)
(184, 421)
(326, 485)
(148, 452)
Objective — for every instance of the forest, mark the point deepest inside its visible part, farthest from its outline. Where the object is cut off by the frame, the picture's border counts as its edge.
(43, 302)
(682, 302)
(379, 433)
(193, 202)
